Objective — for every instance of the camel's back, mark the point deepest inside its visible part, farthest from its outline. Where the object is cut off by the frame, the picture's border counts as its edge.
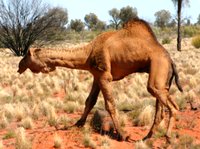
(132, 48)
(135, 41)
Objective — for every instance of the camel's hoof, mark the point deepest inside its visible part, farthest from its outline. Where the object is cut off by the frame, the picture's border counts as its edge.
(123, 137)
(148, 136)
(168, 139)
(63, 128)
(80, 123)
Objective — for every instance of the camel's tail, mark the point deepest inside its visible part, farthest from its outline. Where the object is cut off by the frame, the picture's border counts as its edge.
(175, 73)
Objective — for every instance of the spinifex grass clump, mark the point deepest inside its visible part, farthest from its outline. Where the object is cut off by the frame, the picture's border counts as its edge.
(196, 41)
(21, 140)
(52, 117)
(1, 144)
(57, 141)
(87, 139)
(105, 142)
(3, 121)
(27, 123)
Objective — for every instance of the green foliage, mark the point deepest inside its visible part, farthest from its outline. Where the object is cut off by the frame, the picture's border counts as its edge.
(181, 102)
(77, 25)
(162, 18)
(10, 134)
(190, 31)
(160, 133)
(196, 41)
(198, 19)
(115, 22)
(121, 16)
(84, 36)
(166, 40)
(93, 23)
(127, 13)
(186, 141)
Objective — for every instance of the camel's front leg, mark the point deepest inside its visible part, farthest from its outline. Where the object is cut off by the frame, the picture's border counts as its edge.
(89, 104)
(105, 86)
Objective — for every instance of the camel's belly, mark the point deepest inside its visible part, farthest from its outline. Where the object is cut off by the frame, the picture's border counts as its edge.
(119, 71)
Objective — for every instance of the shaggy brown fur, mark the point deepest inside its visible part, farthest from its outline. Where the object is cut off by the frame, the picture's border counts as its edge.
(110, 57)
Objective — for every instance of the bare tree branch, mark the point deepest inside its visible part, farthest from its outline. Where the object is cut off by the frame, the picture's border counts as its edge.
(22, 22)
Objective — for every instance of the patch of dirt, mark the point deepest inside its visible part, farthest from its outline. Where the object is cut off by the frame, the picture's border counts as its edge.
(42, 135)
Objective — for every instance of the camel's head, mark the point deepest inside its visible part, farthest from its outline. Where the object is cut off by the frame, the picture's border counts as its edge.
(34, 63)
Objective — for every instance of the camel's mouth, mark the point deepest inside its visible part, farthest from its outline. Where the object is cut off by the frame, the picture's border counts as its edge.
(20, 70)
(22, 66)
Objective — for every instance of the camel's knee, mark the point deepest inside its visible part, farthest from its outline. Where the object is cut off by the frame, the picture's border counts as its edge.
(151, 89)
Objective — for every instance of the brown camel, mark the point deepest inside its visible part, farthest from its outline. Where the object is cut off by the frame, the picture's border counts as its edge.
(110, 57)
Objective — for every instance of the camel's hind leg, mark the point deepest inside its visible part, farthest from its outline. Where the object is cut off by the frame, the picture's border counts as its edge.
(89, 104)
(159, 116)
(157, 86)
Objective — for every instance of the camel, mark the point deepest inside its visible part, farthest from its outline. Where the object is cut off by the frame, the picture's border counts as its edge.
(111, 56)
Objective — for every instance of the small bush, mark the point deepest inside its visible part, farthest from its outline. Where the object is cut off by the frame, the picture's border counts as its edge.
(105, 142)
(88, 142)
(27, 123)
(10, 134)
(71, 107)
(166, 40)
(189, 31)
(145, 118)
(196, 42)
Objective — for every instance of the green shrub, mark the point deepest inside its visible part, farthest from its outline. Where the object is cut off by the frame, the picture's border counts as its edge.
(196, 41)
(166, 40)
(189, 31)
(10, 134)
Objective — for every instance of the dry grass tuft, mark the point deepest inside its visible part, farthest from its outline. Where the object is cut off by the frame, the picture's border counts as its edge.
(1, 144)
(57, 141)
(105, 142)
(9, 111)
(21, 140)
(141, 145)
(71, 107)
(52, 117)
(146, 116)
(27, 123)
(3, 121)
(88, 142)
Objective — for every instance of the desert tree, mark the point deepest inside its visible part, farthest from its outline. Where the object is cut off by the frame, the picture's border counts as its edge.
(198, 20)
(22, 22)
(179, 5)
(93, 23)
(163, 18)
(77, 25)
(91, 20)
(58, 18)
(127, 13)
(114, 13)
(121, 16)
(101, 25)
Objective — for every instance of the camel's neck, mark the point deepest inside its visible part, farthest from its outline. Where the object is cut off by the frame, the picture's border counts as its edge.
(75, 58)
